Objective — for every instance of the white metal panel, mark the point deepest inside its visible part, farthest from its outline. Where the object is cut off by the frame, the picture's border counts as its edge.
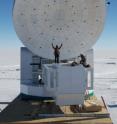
(26, 68)
(32, 90)
(75, 23)
(70, 99)
(71, 79)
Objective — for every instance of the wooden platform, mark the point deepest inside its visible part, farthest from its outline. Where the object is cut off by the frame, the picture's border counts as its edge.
(25, 112)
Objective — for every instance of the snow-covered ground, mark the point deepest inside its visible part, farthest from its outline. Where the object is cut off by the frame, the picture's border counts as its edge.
(9, 83)
(105, 83)
(106, 79)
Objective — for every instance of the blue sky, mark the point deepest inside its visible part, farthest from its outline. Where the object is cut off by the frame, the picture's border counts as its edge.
(9, 39)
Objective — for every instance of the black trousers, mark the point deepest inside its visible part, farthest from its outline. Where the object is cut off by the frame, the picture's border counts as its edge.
(56, 58)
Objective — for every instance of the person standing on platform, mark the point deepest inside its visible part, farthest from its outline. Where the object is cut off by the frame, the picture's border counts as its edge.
(57, 52)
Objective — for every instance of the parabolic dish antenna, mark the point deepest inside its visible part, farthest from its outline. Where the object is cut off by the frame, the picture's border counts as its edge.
(75, 23)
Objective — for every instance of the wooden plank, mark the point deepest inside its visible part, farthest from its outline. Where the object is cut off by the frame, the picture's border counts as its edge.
(105, 115)
(5, 103)
(104, 102)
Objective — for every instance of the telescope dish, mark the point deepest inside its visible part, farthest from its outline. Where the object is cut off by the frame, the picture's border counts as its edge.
(76, 24)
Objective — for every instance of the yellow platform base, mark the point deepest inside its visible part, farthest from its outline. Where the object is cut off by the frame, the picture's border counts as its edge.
(34, 112)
